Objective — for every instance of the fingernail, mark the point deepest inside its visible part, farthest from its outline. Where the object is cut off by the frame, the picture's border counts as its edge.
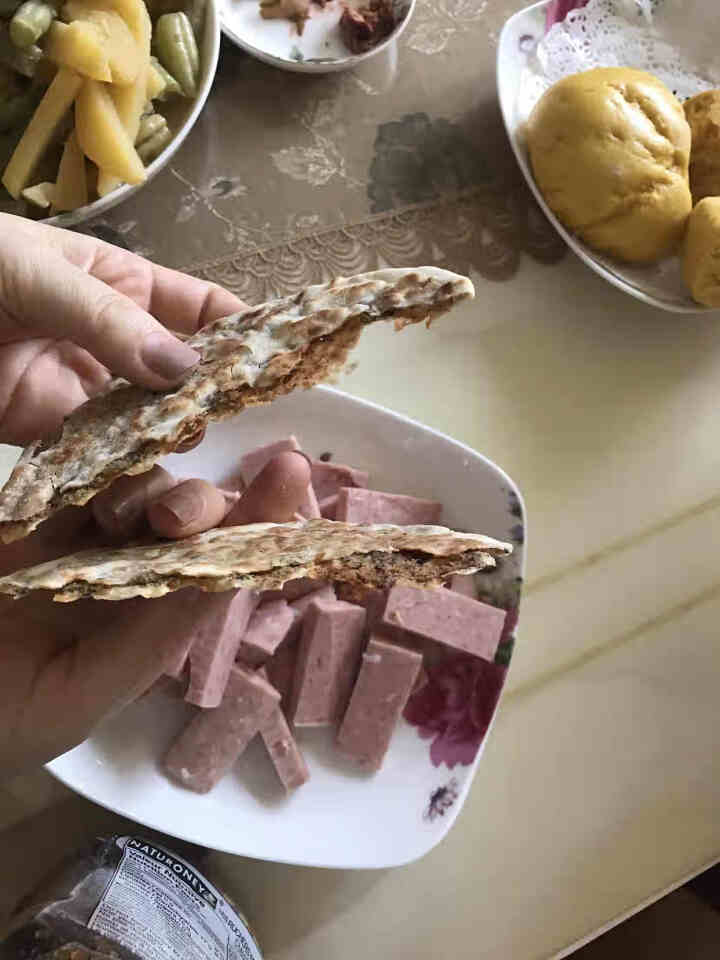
(183, 507)
(167, 357)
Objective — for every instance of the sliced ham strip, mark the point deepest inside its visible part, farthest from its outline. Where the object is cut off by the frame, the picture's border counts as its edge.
(421, 680)
(325, 591)
(215, 647)
(269, 625)
(373, 506)
(214, 739)
(281, 669)
(176, 667)
(254, 461)
(284, 752)
(445, 617)
(328, 507)
(387, 676)
(373, 600)
(465, 585)
(206, 625)
(327, 662)
(328, 478)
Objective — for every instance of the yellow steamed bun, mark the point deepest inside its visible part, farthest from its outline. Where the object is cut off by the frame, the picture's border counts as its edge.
(703, 115)
(609, 149)
(701, 254)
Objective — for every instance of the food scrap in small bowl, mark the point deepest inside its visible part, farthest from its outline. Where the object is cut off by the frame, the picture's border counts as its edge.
(315, 36)
(361, 28)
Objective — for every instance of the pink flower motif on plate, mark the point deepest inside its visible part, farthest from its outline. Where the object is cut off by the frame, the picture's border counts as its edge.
(455, 707)
(559, 9)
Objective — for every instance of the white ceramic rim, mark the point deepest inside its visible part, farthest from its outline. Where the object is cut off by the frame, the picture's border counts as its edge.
(314, 66)
(98, 207)
(569, 238)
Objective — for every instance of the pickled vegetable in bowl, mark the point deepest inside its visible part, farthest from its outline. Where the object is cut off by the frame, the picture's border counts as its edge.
(88, 94)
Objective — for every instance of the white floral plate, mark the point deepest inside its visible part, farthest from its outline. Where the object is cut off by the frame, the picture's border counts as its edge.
(660, 285)
(319, 49)
(339, 818)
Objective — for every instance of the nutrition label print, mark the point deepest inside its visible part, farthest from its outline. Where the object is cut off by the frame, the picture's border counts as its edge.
(160, 907)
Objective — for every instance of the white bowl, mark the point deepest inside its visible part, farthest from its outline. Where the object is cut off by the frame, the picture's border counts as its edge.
(184, 114)
(339, 818)
(318, 50)
(660, 285)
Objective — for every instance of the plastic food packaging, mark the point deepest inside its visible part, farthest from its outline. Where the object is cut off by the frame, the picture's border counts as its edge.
(128, 898)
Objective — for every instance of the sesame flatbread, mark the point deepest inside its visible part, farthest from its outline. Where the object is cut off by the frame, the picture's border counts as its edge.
(247, 359)
(263, 556)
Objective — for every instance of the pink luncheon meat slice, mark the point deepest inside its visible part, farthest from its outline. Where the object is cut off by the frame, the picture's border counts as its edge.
(464, 584)
(372, 600)
(386, 679)
(327, 478)
(175, 667)
(328, 507)
(202, 621)
(215, 647)
(214, 739)
(254, 461)
(269, 625)
(281, 668)
(285, 754)
(445, 617)
(355, 505)
(322, 591)
(327, 662)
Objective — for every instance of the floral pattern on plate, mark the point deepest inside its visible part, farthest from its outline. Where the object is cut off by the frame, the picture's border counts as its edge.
(454, 708)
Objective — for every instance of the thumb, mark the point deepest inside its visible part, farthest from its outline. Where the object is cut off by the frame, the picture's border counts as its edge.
(42, 294)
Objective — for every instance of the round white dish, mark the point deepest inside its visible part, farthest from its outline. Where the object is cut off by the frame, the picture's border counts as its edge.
(209, 52)
(659, 285)
(339, 818)
(318, 50)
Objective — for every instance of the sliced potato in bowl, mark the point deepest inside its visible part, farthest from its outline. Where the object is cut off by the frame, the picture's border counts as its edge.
(83, 138)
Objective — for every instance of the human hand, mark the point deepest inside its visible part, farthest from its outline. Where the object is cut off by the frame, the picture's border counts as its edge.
(65, 667)
(75, 311)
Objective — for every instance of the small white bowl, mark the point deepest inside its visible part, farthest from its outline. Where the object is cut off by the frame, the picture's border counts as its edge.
(340, 818)
(183, 113)
(318, 50)
(661, 284)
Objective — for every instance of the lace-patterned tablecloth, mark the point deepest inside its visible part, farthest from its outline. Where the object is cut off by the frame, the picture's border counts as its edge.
(287, 178)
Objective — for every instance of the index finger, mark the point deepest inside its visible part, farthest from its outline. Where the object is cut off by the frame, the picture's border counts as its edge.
(180, 302)
(186, 303)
